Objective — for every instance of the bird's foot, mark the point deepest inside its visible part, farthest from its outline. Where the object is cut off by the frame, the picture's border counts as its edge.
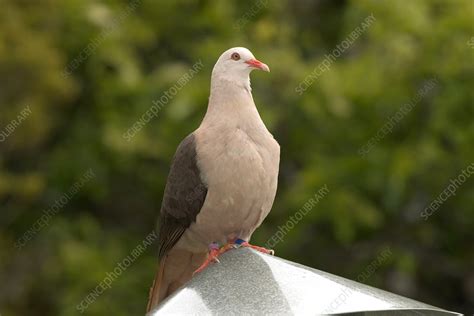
(214, 252)
(230, 245)
(242, 243)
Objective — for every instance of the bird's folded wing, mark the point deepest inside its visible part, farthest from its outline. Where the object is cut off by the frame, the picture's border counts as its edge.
(184, 196)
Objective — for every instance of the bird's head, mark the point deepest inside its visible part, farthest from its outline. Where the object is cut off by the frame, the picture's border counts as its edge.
(235, 65)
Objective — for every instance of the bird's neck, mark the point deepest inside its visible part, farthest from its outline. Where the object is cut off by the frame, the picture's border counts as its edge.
(222, 80)
(230, 82)
(231, 104)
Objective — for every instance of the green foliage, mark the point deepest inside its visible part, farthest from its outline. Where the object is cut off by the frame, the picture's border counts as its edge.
(375, 200)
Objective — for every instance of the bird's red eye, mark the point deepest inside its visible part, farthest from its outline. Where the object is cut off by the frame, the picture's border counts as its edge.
(235, 56)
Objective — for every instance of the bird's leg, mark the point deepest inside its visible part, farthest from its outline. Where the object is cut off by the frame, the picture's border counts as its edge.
(242, 243)
(211, 257)
(215, 251)
(231, 244)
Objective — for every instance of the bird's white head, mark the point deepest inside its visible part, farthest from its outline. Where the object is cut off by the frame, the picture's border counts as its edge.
(235, 65)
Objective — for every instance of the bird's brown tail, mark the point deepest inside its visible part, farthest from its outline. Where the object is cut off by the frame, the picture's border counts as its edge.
(154, 297)
(174, 269)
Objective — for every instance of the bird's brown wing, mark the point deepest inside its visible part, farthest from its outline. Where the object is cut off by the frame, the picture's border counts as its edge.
(184, 196)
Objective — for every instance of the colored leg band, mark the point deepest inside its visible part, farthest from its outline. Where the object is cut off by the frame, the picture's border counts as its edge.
(239, 241)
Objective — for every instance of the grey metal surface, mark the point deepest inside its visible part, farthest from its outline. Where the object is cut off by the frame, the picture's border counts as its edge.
(246, 282)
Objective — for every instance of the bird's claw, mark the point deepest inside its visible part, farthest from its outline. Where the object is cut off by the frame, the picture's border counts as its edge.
(212, 256)
(258, 248)
(237, 243)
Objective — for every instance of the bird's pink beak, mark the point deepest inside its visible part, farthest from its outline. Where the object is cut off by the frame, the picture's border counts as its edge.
(254, 63)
